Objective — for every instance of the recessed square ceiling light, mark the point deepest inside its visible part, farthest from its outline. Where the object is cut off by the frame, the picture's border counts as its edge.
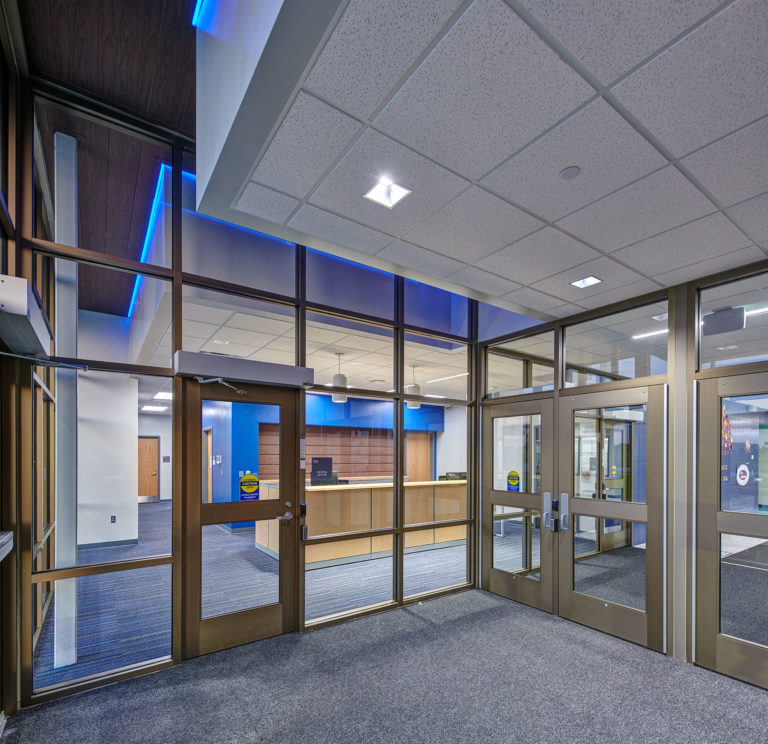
(387, 193)
(164, 396)
(587, 281)
(154, 408)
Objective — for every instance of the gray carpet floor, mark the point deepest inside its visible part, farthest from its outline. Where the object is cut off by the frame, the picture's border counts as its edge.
(469, 667)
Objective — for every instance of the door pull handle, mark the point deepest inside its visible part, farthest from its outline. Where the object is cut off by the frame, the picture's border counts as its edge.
(565, 517)
(546, 513)
(285, 517)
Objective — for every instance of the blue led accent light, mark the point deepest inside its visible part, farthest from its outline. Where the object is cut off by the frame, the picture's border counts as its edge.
(157, 204)
(197, 13)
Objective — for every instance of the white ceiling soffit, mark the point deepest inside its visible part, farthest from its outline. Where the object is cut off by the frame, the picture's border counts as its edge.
(476, 107)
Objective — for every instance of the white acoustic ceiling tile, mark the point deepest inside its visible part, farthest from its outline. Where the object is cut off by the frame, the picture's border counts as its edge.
(564, 310)
(473, 225)
(338, 230)
(265, 203)
(734, 168)
(647, 207)
(752, 215)
(372, 47)
(611, 37)
(628, 291)
(420, 259)
(197, 329)
(608, 150)
(489, 87)
(311, 136)
(263, 324)
(732, 260)
(534, 300)
(483, 281)
(191, 310)
(611, 274)
(688, 244)
(708, 84)
(536, 256)
(375, 156)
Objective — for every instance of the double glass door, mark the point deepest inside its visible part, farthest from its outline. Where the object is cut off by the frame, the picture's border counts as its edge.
(240, 515)
(732, 528)
(573, 508)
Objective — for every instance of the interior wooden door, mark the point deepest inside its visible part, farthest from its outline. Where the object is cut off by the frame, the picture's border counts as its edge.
(149, 471)
(418, 456)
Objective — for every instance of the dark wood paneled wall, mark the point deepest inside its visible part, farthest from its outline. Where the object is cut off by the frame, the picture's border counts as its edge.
(356, 453)
(138, 55)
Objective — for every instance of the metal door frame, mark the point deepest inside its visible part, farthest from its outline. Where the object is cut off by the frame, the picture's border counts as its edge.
(201, 636)
(647, 627)
(722, 653)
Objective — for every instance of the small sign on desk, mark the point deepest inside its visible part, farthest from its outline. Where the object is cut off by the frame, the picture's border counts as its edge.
(322, 469)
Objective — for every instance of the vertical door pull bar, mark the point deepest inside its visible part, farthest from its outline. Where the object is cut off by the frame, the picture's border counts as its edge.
(565, 517)
(546, 514)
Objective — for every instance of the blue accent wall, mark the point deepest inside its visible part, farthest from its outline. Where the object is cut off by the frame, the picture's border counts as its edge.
(235, 430)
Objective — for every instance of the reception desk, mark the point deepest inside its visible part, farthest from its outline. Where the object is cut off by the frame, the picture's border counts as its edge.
(358, 506)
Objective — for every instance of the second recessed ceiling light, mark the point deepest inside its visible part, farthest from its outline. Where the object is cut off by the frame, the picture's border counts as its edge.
(387, 193)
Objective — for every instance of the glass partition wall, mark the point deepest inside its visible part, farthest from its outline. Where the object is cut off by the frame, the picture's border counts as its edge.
(388, 424)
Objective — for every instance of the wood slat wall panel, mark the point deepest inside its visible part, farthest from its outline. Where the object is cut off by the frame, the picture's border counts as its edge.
(356, 452)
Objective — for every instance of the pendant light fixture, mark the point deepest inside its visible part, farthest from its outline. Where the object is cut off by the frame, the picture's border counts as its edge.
(414, 389)
(339, 380)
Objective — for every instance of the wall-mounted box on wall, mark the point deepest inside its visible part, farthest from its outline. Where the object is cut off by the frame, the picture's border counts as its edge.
(23, 329)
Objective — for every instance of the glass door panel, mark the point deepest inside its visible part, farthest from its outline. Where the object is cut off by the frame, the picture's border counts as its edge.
(732, 528)
(517, 502)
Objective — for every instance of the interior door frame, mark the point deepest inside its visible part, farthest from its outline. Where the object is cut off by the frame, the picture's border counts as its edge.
(539, 594)
(722, 653)
(200, 636)
(647, 627)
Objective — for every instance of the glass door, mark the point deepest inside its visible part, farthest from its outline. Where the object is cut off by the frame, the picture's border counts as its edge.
(517, 558)
(240, 526)
(611, 512)
(732, 528)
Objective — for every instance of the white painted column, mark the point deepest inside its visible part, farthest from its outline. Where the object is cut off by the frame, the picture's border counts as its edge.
(65, 232)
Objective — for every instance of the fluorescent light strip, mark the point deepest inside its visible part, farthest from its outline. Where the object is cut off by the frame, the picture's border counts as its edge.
(450, 377)
(154, 408)
(651, 333)
(757, 311)
(163, 396)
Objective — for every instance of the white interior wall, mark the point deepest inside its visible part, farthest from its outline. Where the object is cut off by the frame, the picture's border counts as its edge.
(156, 425)
(451, 444)
(102, 336)
(107, 458)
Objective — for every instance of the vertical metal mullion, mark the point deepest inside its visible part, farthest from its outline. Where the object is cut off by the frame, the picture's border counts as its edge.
(177, 431)
(473, 444)
(301, 360)
(554, 444)
(399, 440)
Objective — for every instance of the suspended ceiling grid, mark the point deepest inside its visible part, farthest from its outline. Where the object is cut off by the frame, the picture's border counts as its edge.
(478, 106)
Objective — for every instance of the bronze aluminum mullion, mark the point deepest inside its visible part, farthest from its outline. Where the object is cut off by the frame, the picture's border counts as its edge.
(26, 455)
(105, 260)
(95, 364)
(336, 312)
(59, 574)
(398, 476)
(419, 331)
(9, 511)
(536, 330)
(617, 385)
(93, 681)
(301, 415)
(475, 387)
(240, 290)
(732, 371)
